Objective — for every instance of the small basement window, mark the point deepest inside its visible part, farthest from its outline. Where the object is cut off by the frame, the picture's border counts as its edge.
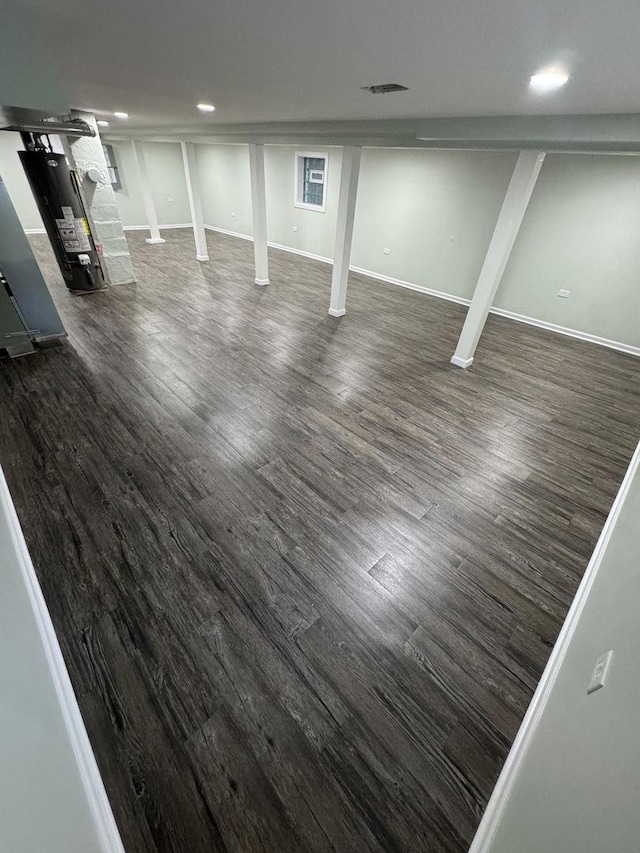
(112, 168)
(311, 180)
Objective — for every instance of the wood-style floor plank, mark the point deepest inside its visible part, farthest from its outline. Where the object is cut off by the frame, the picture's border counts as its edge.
(305, 573)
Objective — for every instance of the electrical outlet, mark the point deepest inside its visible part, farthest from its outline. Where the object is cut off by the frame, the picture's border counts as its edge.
(599, 674)
(386, 251)
(295, 227)
(564, 294)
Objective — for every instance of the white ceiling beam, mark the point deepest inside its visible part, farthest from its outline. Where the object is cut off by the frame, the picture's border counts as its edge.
(604, 134)
(519, 191)
(549, 132)
(344, 229)
(259, 212)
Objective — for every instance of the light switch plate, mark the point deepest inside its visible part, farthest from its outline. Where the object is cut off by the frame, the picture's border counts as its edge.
(600, 670)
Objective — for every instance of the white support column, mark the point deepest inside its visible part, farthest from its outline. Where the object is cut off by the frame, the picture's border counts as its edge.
(195, 203)
(344, 229)
(504, 236)
(259, 211)
(147, 197)
(85, 154)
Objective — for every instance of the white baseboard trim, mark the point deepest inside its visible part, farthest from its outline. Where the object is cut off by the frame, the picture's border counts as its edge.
(161, 227)
(29, 231)
(461, 362)
(571, 333)
(504, 786)
(461, 300)
(99, 805)
(337, 312)
(309, 255)
(228, 233)
(271, 245)
(511, 315)
(439, 294)
(263, 282)
(202, 258)
(154, 241)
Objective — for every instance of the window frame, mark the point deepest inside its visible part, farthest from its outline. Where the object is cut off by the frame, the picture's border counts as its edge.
(298, 185)
(112, 166)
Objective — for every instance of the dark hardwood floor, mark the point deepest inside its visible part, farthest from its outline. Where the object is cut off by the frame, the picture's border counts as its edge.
(305, 573)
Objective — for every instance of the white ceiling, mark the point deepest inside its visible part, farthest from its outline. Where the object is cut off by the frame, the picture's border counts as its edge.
(296, 60)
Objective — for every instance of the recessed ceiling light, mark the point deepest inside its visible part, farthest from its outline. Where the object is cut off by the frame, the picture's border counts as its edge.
(102, 123)
(206, 108)
(121, 115)
(547, 81)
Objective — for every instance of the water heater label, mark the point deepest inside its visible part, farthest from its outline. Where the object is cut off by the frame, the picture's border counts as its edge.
(73, 233)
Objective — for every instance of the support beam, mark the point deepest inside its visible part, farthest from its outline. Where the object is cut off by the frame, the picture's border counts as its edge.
(344, 229)
(85, 154)
(504, 236)
(147, 197)
(195, 203)
(259, 211)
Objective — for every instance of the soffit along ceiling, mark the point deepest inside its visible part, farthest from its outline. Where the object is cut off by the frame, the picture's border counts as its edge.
(298, 60)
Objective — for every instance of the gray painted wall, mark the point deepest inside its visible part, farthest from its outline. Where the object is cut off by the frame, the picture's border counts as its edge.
(581, 232)
(226, 196)
(129, 197)
(225, 185)
(226, 190)
(435, 211)
(164, 162)
(43, 801)
(166, 176)
(578, 786)
(316, 231)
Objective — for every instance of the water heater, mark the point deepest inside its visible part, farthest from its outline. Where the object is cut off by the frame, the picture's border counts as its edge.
(55, 189)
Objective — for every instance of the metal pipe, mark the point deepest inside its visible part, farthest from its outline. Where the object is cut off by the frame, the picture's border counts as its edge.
(77, 127)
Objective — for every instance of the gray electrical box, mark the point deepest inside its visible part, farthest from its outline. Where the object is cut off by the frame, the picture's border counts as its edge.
(27, 312)
(13, 334)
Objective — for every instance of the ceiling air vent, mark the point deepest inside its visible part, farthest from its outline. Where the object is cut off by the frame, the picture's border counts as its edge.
(383, 88)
